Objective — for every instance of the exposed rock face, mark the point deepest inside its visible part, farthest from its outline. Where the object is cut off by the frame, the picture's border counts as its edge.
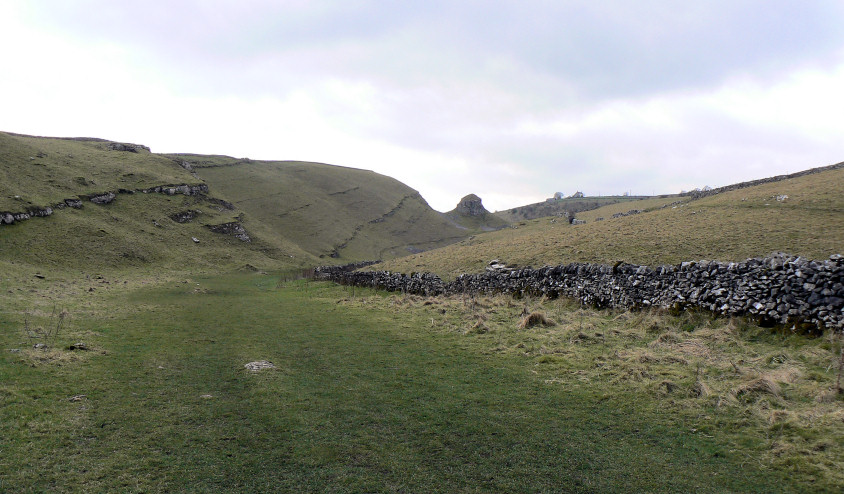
(628, 213)
(779, 289)
(259, 365)
(105, 198)
(233, 228)
(171, 190)
(124, 146)
(471, 205)
(7, 218)
(185, 216)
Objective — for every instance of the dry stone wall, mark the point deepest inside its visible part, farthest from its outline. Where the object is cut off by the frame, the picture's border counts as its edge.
(778, 289)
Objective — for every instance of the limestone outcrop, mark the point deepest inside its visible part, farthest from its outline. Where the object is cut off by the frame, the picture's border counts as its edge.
(103, 198)
(232, 228)
(471, 205)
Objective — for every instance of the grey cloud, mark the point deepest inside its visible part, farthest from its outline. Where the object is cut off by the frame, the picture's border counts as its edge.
(456, 78)
(606, 49)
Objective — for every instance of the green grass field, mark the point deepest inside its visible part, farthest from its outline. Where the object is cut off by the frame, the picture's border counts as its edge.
(370, 393)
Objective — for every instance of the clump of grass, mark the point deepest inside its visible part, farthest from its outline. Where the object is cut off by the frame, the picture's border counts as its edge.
(535, 319)
(666, 339)
(478, 328)
(828, 396)
(762, 384)
(700, 390)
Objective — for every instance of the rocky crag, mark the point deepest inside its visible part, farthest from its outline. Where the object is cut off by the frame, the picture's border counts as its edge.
(776, 290)
(471, 205)
(470, 214)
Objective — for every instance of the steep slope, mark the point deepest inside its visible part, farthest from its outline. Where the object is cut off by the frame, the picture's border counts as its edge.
(802, 216)
(93, 204)
(38, 171)
(96, 203)
(329, 211)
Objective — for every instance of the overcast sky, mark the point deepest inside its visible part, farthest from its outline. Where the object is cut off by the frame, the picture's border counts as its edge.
(512, 101)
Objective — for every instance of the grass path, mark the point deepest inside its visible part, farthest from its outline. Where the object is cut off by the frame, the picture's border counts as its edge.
(361, 401)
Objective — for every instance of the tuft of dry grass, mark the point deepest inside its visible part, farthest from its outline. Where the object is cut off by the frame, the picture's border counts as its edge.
(828, 396)
(666, 339)
(535, 319)
(478, 328)
(700, 390)
(762, 384)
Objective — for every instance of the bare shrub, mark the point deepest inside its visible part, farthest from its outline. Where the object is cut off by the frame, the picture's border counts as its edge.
(45, 336)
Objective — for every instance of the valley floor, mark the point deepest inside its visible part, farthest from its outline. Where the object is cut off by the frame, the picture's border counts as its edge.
(379, 393)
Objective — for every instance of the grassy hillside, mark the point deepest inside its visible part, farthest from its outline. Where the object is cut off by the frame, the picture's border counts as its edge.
(43, 171)
(728, 226)
(296, 214)
(136, 230)
(573, 205)
(329, 211)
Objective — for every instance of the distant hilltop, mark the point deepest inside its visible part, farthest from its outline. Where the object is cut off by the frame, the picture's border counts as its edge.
(471, 205)
(470, 214)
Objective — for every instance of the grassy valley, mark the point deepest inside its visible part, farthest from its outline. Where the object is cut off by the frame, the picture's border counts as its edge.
(295, 214)
(125, 329)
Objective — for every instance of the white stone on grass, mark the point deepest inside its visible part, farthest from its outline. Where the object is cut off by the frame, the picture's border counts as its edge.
(259, 365)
